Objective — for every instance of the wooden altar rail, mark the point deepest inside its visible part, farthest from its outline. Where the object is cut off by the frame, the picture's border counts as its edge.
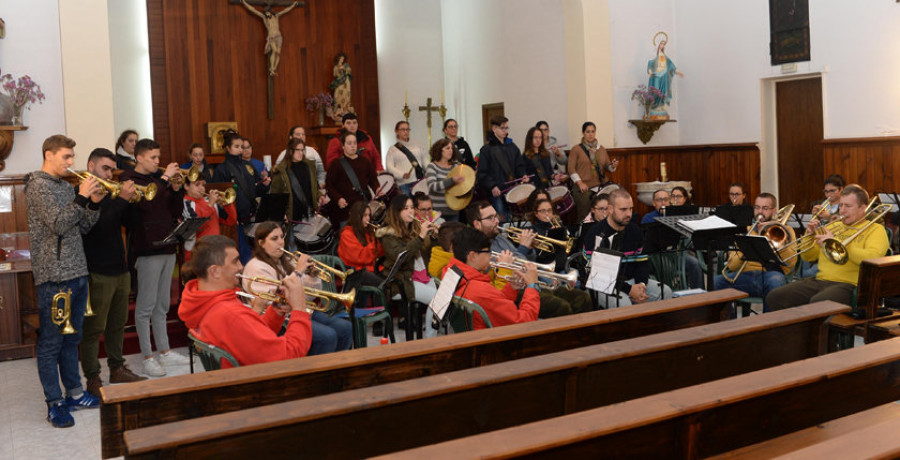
(144, 404)
(402, 415)
(710, 168)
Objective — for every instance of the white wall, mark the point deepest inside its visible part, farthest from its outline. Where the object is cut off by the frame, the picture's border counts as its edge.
(32, 47)
(130, 57)
(410, 59)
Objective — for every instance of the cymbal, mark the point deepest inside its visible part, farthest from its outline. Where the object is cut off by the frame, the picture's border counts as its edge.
(458, 203)
(464, 187)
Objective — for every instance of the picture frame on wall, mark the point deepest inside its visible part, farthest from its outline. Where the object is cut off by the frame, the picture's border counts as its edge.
(789, 31)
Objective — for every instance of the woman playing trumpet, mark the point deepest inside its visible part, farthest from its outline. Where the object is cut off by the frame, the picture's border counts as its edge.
(329, 334)
(545, 222)
(198, 203)
(358, 248)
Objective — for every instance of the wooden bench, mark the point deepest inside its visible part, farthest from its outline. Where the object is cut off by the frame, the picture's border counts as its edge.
(878, 278)
(152, 402)
(401, 415)
(703, 420)
(841, 428)
(878, 441)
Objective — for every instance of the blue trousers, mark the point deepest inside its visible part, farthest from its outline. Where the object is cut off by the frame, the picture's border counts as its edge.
(756, 283)
(57, 354)
(244, 250)
(499, 204)
(329, 334)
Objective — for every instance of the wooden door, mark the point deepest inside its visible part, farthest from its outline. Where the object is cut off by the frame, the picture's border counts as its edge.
(489, 111)
(800, 132)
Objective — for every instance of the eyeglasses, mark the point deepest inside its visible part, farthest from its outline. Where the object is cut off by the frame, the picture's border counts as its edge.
(426, 209)
(661, 199)
(763, 208)
(491, 217)
(452, 126)
(604, 209)
(676, 196)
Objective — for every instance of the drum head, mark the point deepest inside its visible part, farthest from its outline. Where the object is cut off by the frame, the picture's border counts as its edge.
(468, 182)
(519, 193)
(557, 193)
(608, 189)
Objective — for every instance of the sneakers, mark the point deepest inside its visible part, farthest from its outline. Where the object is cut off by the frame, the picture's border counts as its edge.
(173, 359)
(122, 375)
(58, 415)
(86, 401)
(93, 385)
(153, 368)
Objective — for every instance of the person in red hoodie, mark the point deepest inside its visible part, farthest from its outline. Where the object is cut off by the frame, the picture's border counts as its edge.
(196, 205)
(473, 247)
(358, 247)
(366, 146)
(210, 308)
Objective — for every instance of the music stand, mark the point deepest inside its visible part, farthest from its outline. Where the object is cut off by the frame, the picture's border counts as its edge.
(709, 240)
(802, 220)
(891, 199)
(183, 232)
(757, 248)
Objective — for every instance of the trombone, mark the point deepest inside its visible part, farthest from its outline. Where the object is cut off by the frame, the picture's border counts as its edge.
(775, 231)
(808, 241)
(319, 269)
(541, 243)
(347, 298)
(226, 199)
(836, 250)
(556, 279)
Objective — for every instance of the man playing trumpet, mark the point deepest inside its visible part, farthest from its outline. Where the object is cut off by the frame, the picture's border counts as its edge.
(472, 255)
(210, 308)
(836, 281)
(752, 277)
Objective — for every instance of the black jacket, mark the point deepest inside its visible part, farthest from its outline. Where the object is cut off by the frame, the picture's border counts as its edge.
(152, 221)
(490, 173)
(103, 246)
(466, 155)
(630, 242)
(245, 204)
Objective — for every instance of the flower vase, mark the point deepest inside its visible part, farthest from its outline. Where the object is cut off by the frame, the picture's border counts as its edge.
(17, 115)
(646, 112)
(321, 113)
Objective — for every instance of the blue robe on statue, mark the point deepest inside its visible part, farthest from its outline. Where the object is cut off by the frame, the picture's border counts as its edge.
(661, 76)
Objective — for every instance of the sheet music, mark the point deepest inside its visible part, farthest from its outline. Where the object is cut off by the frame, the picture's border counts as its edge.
(709, 223)
(444, 294)
(604, 272)
(891, 199)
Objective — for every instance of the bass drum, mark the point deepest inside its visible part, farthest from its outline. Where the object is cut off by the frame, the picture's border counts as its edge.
(314, 235)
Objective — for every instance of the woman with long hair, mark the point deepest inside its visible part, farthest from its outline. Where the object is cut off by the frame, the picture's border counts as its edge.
(402, 232)
(125, 149)
(437, 175)
(537, 158)
(329, 334)
(358, 248)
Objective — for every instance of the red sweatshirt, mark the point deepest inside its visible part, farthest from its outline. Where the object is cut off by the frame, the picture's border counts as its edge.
(219, 318)
(500, 305)
(356, 255)
(367, 150)
(211, 227)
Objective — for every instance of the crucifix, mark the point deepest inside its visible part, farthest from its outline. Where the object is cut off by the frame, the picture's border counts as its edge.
(274, 39)
(428, 108)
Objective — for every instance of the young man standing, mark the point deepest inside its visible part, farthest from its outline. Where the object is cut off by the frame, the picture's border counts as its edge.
(109, 281)
(499, 164)
(57, 217)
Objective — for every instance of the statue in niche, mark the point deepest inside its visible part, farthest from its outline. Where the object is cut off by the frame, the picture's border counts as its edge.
(273, 37)
(662, 73)
(343, 76)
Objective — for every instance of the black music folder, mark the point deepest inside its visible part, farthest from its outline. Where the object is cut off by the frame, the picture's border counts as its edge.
(757, 248)
(183, 232)
(741, 215)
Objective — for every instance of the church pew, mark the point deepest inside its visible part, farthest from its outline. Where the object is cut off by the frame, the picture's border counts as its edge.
(878, 278)
(412, 413)
(841, 428)
(152, 402)
(872, 443)
(702, 420)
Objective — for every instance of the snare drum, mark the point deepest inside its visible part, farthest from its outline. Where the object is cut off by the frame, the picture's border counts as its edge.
(314, 235)
(562, 199)
(376, 212)
(388, 187)
(517, 197)
(606, 188)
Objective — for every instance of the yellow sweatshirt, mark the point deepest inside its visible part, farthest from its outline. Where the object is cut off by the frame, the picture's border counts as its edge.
(871, 243)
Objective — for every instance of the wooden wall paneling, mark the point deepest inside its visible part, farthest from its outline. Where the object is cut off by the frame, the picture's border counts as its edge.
(207, 64)
(869, 162)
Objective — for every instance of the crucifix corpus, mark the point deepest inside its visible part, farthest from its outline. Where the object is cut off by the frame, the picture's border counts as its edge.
(428, 108)
(273, 37)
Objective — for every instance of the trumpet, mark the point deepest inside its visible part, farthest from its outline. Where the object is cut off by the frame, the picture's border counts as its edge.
(226, 199)
(373, 225)
(346, 298)
(541, 243)
(112, 187)
(518, 263)
(147, 192)
(62, 316)
(434, 230)
(319, 269)
(555, 279)
(191, 174)
(555, 222)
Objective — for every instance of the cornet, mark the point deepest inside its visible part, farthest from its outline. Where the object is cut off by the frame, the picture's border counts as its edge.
(178, 179)
(226, 199)
(434, 229)
(318, 269)
(62, 316)
(541, 243)
(556, 279)
(519, 264)
(113, 188)
(347, 298)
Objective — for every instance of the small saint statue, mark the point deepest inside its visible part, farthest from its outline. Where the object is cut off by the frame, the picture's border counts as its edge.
(662, 73)
(273, 38)
(343, 76)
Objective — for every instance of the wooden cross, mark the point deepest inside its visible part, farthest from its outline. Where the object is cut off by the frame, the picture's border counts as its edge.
(428, 108)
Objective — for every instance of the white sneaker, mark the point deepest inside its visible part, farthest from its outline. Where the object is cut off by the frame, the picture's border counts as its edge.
(173, 359)
(153, 368)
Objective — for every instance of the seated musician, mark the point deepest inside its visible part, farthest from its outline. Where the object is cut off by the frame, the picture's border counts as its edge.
(660, 200)
(553, 303)
(472, 255)
(198, 204)
(825, 211)
(755, 279)
(619, 233)
(329, 333)
(599, 209)
(402, 232)
(692, 270)
(210, 308)
(835, 282)
(442, 252)
(545, 222)
(736, 194)
(358, 248)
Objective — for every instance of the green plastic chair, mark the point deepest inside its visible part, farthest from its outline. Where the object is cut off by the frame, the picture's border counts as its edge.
(462, 314)
(360, 323)
(210, 355)
(668, 268)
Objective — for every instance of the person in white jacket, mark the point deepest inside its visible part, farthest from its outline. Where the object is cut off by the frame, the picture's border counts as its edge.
(405, 160)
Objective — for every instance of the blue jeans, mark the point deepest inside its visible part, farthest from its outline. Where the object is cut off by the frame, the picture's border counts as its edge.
(244, 250)
(756, 283)
(499, 204)
(329, 334)
(57, 354)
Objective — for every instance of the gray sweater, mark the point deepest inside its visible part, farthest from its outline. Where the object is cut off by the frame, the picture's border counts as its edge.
(438, 183)
(57, 217)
